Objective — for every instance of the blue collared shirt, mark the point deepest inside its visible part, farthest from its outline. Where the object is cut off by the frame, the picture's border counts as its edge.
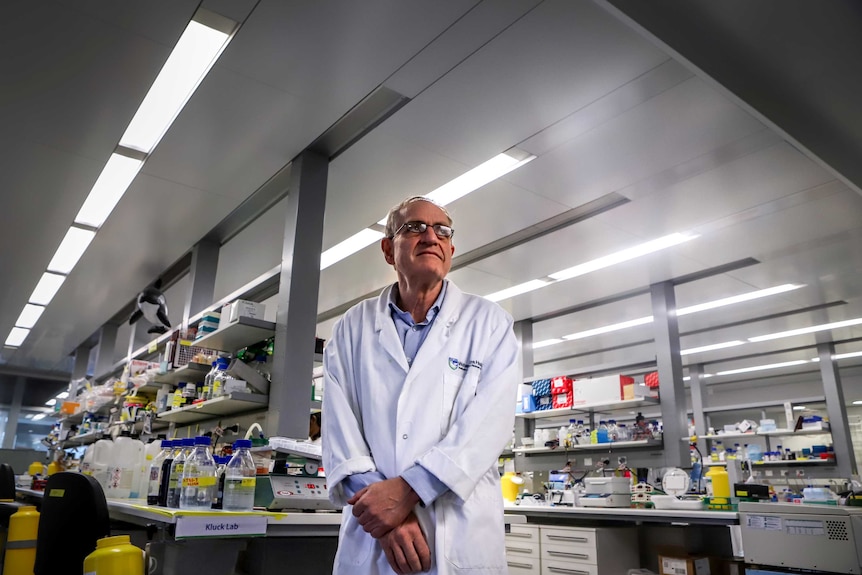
(412, 335)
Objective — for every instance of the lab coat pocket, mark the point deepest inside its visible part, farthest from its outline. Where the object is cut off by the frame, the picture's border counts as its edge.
(354, 544)
(474, 532)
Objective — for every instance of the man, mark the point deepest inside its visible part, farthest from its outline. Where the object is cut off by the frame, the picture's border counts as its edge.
(420, 386)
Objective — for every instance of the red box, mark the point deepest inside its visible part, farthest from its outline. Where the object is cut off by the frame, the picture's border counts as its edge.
(561, 384)
(651, 379)
(562, 400)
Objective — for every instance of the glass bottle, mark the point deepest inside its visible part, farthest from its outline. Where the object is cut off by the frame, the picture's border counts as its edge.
(239, 478)
(199, 480)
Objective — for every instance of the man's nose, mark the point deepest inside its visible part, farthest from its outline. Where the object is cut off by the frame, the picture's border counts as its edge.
(429, 236)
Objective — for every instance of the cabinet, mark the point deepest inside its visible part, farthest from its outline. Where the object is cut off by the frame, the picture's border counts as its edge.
(564, 550)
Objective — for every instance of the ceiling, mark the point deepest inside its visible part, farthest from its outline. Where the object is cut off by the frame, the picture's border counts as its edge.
(605, 108)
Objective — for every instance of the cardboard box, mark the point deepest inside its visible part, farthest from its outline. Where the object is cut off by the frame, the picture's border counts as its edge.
(681, 564)
(561, 384)
(241, 308)
(562, 400)
(605, 389)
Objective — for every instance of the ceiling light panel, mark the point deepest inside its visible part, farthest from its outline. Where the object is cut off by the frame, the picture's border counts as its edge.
(115, 179)
(47, 288)
(360, 240)
(17, 336)
(807, 330)
(51, 402)
(517, 290)
(63, 395)
(763, 367)
(29, 316)
(712, 347)
(194, 54)
(483, 174)
(738, 298)
(71, 249)
(609, 328)
(39, 416)
(547, 342)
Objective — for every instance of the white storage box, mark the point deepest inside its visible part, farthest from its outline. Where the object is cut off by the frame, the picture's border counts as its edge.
(241, 308)
(607, 389)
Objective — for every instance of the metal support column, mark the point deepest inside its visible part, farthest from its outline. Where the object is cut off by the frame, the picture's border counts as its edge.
(79, 371)
(524, 334)
(296, 319)
(14, 413)
(105, 349)
(845, 458)
(695, 373)
(671, 388)
(202, 277)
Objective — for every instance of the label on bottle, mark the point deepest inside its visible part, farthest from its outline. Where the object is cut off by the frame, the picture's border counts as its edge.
(199, 481)
(249, 482)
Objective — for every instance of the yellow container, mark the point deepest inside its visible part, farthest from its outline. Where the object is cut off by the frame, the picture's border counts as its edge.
(53, 468)
(509, 486)
(21, 543)
(717, 482)
(115, 556)
(36, 468)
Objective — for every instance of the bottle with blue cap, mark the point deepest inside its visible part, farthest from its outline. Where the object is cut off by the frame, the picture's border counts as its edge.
(154, 474)
(186, 446)
(199, 479)
(240, 478)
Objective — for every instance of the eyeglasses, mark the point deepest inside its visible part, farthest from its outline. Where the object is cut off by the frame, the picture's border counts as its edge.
(443, 232)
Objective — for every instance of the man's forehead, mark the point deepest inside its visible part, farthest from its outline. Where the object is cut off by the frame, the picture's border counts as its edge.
(426, 209)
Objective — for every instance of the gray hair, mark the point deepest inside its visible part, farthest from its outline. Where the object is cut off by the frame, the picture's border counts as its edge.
(392, 220)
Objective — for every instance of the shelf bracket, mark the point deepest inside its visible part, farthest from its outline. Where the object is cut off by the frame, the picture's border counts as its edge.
(240, 370)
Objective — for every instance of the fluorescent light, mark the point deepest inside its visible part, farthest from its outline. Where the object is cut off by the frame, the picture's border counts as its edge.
(702, 376)
(350, 246)
(39, 416)
(51, 402)
(17, 336)
(29, 416)
(623, 255)
(608, 328)
(738, 298)
(71, 249)
(516, 290)
(711, 347)
(194, 54)
(803, 408)
(857, 402)
(805, 330)
(763, 367)
(63, 395)
(547, 342)
(484, 173)
(846, 355)
(112, 183)
(29, 316)
(46, 289)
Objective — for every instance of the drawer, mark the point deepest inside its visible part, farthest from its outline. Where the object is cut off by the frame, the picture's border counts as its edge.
(556, 552)
(521, 532)
(565, 568)
(523, 565)
(522, 548)
(568, 536)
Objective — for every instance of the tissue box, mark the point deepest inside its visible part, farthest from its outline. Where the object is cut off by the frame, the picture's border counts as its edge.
(605, 389)
(241, 308)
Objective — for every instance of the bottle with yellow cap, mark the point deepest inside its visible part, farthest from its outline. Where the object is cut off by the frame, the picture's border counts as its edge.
(21, 542)
(115, 556)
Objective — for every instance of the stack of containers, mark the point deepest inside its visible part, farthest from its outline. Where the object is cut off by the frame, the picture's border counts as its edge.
(561, 392)
(208, 323)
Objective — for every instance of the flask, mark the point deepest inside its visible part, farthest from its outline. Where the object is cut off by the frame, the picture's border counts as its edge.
(199, 481)
(154, 473)
(177, 470)
(240, 478)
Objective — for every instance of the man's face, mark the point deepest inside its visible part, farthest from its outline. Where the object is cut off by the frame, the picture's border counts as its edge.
(420, 257)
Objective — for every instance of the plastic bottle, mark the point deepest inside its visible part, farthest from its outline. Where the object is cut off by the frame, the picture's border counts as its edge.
(177, 399)
(21, 541)
(177, 471)
(562, 433)
(239, 478)
(124, 471)
(208, 381)
(622, 432)
(717, 482)
(713, 455)
(612, 430)
(86, 467)
(103, 453)
(602, 432)
(571, 434)
(190, 392)
(154, 471)
(165, 474)
(115, 555)
(199, 480)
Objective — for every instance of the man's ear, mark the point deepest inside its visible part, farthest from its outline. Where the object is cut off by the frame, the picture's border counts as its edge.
(388, 251)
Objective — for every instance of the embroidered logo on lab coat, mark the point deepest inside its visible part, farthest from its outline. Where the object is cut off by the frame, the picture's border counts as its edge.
(455, 364)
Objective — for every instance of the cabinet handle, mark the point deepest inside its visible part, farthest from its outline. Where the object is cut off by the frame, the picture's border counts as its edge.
(519, 549)
(521, 565)
(518, 534)
(568, 538)
(553, 569)
(566, 554)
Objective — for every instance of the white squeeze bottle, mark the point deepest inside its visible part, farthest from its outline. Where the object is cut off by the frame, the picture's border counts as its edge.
(239, 478)
(121, 473)
(199, 481)
(102, 459)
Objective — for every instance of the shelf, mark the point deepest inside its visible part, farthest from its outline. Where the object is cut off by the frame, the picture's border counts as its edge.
(590, 407)
(191, 373)
(776, 433)
(760, 404)
(637, 444)
(82, 439)
(795, 463)
(242, 333)
(225, 405)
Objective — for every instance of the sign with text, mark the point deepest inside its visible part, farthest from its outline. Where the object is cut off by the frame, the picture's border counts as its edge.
(220, 525)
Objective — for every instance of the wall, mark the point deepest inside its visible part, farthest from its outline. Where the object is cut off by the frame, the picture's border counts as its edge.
(20, 459)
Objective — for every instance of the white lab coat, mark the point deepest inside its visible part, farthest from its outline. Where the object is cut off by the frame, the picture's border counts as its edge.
(452, 412)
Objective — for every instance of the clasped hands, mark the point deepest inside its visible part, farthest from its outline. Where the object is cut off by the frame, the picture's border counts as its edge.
(385, 511)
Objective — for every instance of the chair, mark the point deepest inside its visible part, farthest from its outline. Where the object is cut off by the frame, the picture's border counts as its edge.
(74, 517)
(7, 482)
